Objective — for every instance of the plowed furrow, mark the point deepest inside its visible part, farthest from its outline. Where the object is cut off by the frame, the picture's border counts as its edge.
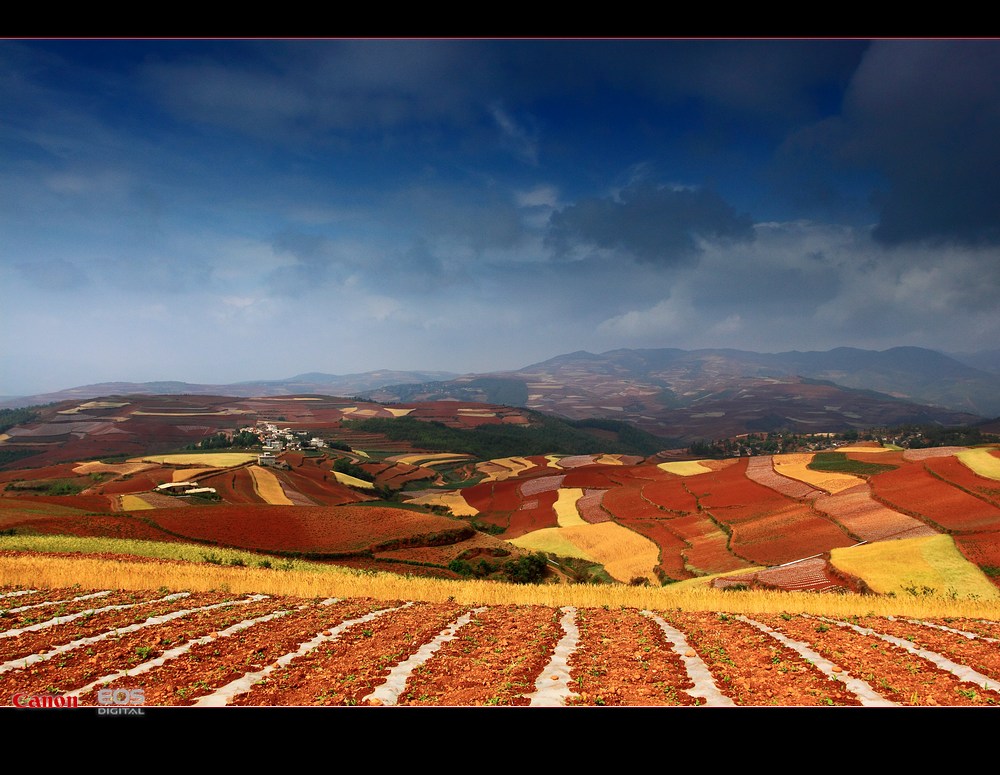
(180, 676)
(77, 663)
(345, 669)
(509, 645)
(896, 674)
(752, 668)
(621, 654)
(39, 637)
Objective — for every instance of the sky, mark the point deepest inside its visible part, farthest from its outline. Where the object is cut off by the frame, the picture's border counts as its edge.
(218, 211)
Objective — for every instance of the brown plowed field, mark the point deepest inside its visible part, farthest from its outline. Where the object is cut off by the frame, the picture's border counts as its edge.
(953, 471)
(313, 529)
(915, 490)
(209, 649)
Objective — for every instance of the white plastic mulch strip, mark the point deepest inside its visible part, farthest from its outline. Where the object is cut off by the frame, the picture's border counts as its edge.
(552, 687)
(861, 689)
(145, 667)
(18, 593)
(960, 671)
(395, 683)
(704, 685)
(88, 612)
(57, 602)
(14, 664)
(222, 695)
(963, 633)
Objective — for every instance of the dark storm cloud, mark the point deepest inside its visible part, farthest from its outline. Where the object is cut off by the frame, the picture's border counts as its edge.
(926, 115)
(653, 223)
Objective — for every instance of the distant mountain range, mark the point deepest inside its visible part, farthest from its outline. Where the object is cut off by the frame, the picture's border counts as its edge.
(680, 394)
(715, 392)
(313, 382)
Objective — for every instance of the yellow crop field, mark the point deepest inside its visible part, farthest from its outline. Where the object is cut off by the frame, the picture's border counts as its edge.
(93, 405)
(624, 554)
(930, 565)
(353, 481)
(268, 487)
(981, 461)
(503, 468)
(185, 474)
(425, 459)
(211, 459)
(794, 465)
(452, 499)
(608, 460)
(97, 467)
(134, 503)
(553, 540)
(684, 467)
(565, 507)
(399, 412)
(60, 565)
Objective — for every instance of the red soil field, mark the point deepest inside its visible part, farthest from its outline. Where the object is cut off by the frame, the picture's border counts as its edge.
(320, 492)
(140, 482)
(767, 527)
(235, 486)
(671, 494)
(111, 526)
(707, 550)
(57, 471)
(341, 529)
(914, 490)
(782, 536)
(589, 476)
(953, 471)
(641, 471)
(206, 650)
(76, 503)
(626, 504)
(502, 496)
(538, 515)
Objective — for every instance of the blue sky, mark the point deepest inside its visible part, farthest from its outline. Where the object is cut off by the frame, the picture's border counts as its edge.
(225, 210)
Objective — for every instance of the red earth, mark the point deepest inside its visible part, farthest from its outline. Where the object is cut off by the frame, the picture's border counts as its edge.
(218, 649)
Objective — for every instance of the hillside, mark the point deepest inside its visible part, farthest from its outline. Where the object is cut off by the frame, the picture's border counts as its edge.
(494, 483)
(708, 394)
